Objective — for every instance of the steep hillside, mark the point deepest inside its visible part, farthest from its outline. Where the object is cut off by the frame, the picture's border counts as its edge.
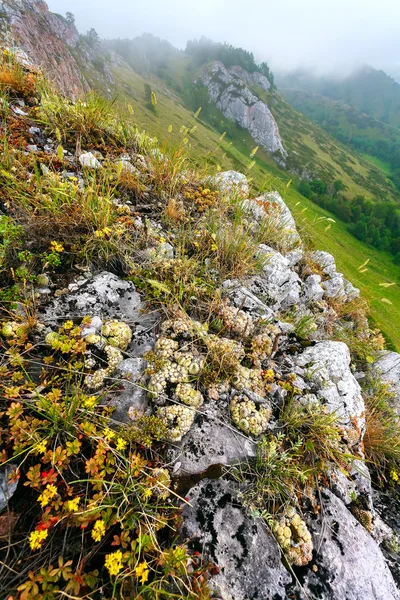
(170, 74)
(351, 127)
(367, 90)
(193, 403)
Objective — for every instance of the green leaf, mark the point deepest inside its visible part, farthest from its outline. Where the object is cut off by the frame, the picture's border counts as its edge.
(159, 286)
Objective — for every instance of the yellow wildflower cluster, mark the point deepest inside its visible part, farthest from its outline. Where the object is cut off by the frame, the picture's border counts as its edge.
(72, 505)
(49, 492)
(103, 233)
(98, 531)
(90, 402)
(121, 444)
(56, 247)
(41, 447)
(394, 475)
(142, 572)
(113, 562)
(37, 538)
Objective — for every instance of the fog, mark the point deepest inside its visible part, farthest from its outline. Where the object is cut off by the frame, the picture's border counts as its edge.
(326, 36)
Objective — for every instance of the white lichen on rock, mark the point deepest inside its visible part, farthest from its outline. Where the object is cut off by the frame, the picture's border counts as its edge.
(293, 537)
(248, 417)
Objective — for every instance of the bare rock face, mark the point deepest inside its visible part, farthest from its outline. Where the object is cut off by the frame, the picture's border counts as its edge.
(47, 39)
(327, 367)
(387, 368)
(230, 92)
(50, 42)
(349, 562)
(107, 296)
(247, 557)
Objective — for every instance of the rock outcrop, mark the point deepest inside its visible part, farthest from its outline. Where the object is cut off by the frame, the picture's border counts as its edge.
(246, 556)
(349, 563)
(229, 89)
(50, 42)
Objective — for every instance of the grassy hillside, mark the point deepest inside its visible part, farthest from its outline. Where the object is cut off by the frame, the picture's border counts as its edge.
(206, 146)
(351, 127)
(367, 90)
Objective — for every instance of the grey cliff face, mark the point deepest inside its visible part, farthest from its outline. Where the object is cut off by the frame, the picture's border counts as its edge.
(230, 92)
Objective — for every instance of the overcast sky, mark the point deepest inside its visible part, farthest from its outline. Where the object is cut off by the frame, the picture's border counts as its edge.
(323, 34)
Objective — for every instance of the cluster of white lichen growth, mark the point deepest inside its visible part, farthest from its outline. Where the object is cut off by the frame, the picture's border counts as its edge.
(178, 419)
(12, 330)
(117, 334)
(235, 320)
(96, 380)
(248, 417)
(261, 345)
(185, 327)
(293, 537)
(248, 378)
(189, 395)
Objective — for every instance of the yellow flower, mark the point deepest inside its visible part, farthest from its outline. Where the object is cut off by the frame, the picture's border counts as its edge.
(98, 531)
(99, 233)
(113, 562)
(68, 325)
(121, 444)
(142, 572)
(90, 402)
(109, 434)
(394, 475)
(37, 538)
(49, 493)
(72, 505)
(56, 247)
(41, 447)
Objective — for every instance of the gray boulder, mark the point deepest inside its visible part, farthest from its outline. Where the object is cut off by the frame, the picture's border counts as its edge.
(235, 100)
(247, 557)
(7, 488)
(131, 402)
(107, 296)
(210, 442)
(335, 285)
(273, 205)
(387, 368)
(349, 563)
(89, 161)
(278, 286)
(232, 180)
(326, 366)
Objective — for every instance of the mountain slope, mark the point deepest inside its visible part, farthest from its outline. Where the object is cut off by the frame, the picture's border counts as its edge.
(172, 120)
(367, 90)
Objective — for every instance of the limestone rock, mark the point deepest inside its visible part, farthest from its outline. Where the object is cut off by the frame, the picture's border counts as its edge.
(350, 564)
(335, 285)
(278, 286)
(232, 180)
(387, 367)
(247, 557)
(235, 100)
(327, 368)
(106, 295)
(89, 161)
(7, 488)
(210, 443)
(273, 205)
(132, 401)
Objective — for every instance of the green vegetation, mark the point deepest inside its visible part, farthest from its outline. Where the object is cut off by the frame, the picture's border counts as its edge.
(95, 514)
(359, 131)
(377, 223)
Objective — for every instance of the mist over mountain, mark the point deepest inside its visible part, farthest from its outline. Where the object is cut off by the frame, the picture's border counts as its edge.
(333, 37)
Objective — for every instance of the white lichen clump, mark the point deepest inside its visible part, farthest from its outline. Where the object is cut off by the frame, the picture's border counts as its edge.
(248, 417)
(293, 537)
(178, 420)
